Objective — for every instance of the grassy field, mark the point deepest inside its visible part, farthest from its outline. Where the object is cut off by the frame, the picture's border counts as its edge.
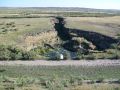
(24, 26)
(27, 30)
(27, 26)
(105, 25)
(98, 87)
(105, 72)
(58, 77)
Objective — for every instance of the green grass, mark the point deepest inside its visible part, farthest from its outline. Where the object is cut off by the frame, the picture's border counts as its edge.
(27, 26)
(32, 27)
(62, 72)
(56, 77)
(98, 87)
(105, 25)
(36, 25)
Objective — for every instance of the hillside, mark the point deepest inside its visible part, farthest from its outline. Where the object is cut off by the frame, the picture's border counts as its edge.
(33, 30)
(59, 49)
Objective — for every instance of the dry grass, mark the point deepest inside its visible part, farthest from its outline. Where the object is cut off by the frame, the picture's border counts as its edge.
(98, 87)
(30, 87)
(105, 25)
(49, 37)
(15, 38)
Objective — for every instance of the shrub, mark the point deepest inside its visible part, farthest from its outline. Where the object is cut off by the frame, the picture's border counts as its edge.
(22, 81)
(89, 57)
(28, 25)
(28, 55)
(53, 55)
(66, 83)
(14, 53)
(10, 23)
(4, 53)
(80, 55)
(100, 80)
(113, 54)
(3, 28)
(67, 55)
(75, 81)
(41, 50)
(119, 81)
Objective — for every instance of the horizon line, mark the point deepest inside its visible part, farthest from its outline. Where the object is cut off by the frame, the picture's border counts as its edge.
(55, 7)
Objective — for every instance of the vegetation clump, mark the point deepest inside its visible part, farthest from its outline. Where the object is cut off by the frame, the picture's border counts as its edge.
(8, 27)
(14, 53)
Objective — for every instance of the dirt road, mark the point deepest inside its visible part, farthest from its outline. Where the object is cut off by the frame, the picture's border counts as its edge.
(65, 62)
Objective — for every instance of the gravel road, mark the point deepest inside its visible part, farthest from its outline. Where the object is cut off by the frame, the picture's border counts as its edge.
(61, 63)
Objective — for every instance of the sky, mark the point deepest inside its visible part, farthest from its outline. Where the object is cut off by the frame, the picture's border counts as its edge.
(99, 4)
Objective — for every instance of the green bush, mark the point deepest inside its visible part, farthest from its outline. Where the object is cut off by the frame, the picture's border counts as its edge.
(14, 53)
(100, 80)
(22, 81)
(75, 81)
(4, 53)
(113, 54)
(53, 55)
(89, 57)
(41, 50)
(28, 55)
